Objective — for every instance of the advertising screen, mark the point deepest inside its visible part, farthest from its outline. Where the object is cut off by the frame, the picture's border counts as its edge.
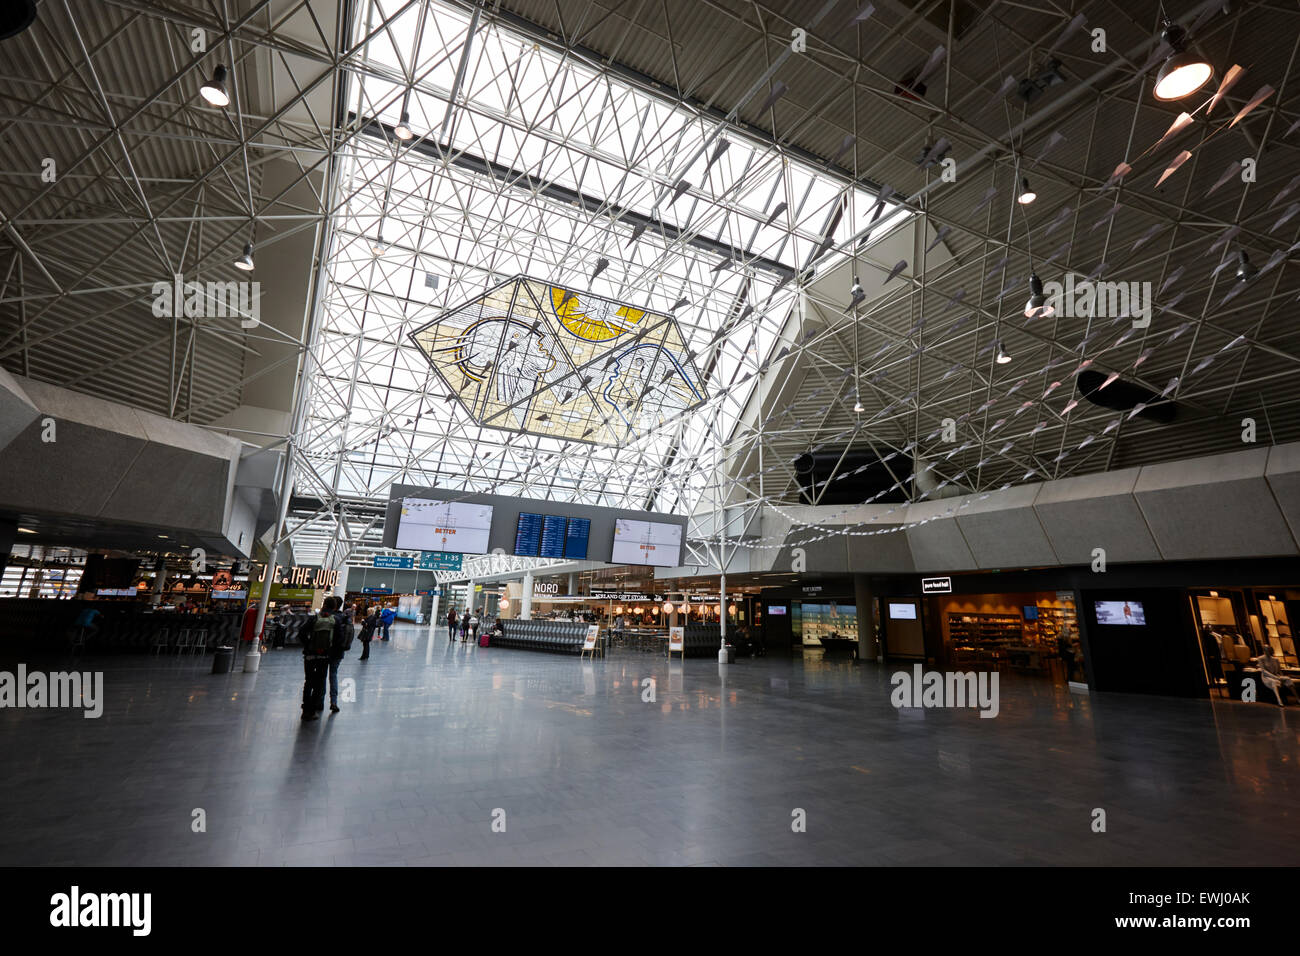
(646, 542)
(777, 610)
(1120, 612)
(428, 525)
(902, 612)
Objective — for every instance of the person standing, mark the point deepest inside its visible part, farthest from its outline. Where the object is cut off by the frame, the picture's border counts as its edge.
(473, 628)
(451, 625)
(322, 639)
(342, 645)
(386, 618)
(367, 632)
(464, 626)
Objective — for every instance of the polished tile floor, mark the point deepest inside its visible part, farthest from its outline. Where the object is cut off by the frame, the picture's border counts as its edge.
(442, 739)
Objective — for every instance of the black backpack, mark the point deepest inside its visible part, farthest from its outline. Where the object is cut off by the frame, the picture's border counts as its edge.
(320, 639)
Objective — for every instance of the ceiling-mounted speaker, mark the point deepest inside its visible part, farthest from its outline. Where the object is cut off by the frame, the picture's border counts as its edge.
(16, 16)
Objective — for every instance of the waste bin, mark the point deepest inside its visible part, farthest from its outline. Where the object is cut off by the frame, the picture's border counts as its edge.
(223, 659)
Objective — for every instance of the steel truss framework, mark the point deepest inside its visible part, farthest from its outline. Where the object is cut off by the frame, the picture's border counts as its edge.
(536, 154)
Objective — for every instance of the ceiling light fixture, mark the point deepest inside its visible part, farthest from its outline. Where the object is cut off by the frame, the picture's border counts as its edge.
(403, 129)
(1002, 358)
(379, 247)
(26, 531)
(1183, 73)
(1037, 306)
(214, 91)
(1246, 270)
(245, 261)
(1027, 195)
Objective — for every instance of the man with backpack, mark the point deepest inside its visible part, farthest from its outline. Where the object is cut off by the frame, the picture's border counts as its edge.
(323, 646)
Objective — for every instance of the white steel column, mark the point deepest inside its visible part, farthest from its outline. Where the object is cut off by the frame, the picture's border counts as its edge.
(526, 598)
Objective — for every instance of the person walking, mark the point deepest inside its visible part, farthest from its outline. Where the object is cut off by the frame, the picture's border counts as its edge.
(464, 626)
(323, 638)
(367, 632)
(473, 628)
(451, 624)
(386, 617)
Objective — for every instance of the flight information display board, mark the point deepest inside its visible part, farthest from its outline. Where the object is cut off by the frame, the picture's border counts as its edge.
(431, 525)
(575, 538)
(553, 529)
(646, 542)
(528, 534)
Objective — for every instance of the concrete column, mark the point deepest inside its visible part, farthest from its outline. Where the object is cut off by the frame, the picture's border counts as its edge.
(868, 647)
(573, 582)
(526, 598)
(469, 597)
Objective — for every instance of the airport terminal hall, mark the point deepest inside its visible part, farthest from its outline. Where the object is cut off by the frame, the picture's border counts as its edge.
(653, 433)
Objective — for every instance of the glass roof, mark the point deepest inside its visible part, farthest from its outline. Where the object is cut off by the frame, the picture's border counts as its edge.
(551, 168)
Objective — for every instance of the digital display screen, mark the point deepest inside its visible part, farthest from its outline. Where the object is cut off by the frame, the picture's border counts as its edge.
(429, 525)
(902, 612)
(528, 534)
(553, 528)
(1120, 612)
(575, 538)
(646, 542)
(1031, 612)
(776, 609)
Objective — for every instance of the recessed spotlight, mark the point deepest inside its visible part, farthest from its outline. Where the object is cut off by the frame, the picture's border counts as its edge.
(214, 91)
(163, 536)
(26, 530)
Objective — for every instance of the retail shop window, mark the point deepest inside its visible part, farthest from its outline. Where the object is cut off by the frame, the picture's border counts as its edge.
(1035, 633)
(1235, 625)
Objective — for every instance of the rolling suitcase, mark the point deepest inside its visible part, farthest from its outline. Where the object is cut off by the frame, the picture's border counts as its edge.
(483, 639)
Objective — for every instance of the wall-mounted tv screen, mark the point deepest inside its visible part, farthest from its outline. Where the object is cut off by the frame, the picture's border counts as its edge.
(1031, 612)
(528, 534)
(646, 542)
(777, 610)
(552, 536)
(575, 538)
(902, 611)
(456, 526)
(1119, 612)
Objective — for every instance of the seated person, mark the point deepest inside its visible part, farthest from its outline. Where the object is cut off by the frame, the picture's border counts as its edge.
(1270, 673)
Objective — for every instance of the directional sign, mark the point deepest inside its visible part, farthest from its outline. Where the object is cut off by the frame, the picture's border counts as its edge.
(393, 561)
(440, 561)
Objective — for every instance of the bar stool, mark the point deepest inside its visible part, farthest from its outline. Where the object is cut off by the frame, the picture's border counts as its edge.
(161, 640)
(199, 644)
(183, 641)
